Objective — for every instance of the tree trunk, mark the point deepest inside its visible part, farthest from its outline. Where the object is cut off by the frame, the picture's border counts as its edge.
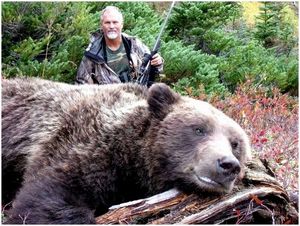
(258, 198)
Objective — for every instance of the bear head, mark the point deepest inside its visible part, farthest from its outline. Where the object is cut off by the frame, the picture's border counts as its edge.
(196, 145)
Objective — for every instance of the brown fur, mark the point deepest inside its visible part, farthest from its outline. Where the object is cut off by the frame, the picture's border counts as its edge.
(78, 149)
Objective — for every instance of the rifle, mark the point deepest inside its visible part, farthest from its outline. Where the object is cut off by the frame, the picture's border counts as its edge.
(144, 72)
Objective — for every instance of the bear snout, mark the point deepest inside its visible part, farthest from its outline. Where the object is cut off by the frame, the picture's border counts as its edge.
(228, 166)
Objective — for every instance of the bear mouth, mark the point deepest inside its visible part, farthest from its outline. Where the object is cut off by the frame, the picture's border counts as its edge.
(208, 181)
(212, 185)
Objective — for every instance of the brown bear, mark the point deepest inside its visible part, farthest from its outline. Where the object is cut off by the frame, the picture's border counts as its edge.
(72, 151)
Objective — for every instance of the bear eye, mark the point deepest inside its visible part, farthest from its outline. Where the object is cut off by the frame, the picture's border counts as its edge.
(234, 144)
(200, 132)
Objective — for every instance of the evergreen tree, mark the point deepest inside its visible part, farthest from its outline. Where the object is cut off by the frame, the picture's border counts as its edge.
(47, 39)
(268, 21)
(191, 20)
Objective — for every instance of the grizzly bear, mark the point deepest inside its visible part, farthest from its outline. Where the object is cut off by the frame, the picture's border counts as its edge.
(70, 151)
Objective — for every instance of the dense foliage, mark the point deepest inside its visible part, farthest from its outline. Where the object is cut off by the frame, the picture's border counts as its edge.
(241, 52)
(207, 44)
(45, 39)
(208, 48)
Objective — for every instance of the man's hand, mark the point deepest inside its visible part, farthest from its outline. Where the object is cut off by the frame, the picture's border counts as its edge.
(156, 60)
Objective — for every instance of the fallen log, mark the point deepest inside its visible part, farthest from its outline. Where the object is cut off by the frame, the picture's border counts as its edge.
(258, 198)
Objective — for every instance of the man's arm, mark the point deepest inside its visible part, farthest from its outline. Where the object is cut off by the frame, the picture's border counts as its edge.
(154, 69)
(85, 71)
(157, 61)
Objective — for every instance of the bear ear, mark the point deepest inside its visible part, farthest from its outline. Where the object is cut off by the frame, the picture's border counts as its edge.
(160, 99)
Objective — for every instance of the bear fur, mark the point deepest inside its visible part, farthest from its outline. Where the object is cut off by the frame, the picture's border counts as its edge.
(70, 151)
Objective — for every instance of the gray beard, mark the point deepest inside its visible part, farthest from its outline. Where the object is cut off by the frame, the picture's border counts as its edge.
(112, 35)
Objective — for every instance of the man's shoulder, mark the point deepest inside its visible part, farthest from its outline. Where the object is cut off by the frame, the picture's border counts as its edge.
(95, 35)
(129, 37)
(134, 40)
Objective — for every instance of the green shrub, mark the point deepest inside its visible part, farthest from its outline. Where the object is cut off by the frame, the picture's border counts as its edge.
(59, 34)
(260, 65)
(48, 39)
(189, 68)
(191, 20)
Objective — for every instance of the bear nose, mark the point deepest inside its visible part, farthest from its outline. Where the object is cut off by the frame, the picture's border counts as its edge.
(229, 166)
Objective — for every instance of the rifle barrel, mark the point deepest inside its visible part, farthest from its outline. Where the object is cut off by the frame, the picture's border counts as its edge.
(163, 27)
(144, 72)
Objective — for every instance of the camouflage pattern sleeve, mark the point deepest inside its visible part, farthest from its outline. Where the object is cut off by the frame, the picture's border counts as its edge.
(137, 55)
(144, 49)
(85, 71)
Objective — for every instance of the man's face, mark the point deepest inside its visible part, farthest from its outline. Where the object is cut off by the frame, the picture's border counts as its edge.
(112, 24)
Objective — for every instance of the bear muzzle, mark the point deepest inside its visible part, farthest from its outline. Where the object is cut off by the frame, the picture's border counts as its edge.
(222, 177)
(229, 167)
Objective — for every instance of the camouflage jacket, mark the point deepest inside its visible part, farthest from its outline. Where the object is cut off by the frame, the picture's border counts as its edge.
(94, 69)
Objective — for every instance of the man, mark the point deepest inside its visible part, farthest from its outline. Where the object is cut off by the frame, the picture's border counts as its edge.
(113, 56)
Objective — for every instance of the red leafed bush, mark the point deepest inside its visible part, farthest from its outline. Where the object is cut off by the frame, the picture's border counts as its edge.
(271, 121)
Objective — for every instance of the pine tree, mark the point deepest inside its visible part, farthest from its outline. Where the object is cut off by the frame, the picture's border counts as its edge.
(268, 21)
(192, 20)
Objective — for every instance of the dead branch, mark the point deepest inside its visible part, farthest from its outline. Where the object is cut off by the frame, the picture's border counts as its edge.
(258, 198)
